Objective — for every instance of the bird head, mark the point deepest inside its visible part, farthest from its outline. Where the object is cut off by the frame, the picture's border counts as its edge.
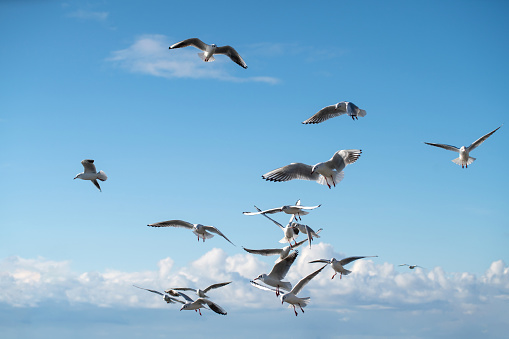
(283, 298)
(184, 307)
(261, 276)
(78, 176)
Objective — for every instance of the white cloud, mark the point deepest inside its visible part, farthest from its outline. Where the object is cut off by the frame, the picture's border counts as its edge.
(149, 54)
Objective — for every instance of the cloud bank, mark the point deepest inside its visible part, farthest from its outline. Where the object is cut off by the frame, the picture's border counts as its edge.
(149, 54)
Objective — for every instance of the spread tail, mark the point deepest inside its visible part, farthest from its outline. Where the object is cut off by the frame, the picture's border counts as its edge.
(202, 56)
(102, 176)
(462, 163)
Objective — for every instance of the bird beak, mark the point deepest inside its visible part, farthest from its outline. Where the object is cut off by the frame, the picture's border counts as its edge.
(282, 301)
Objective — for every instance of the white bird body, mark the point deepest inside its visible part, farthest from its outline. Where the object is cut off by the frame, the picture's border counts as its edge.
(197, 229)
(209, 50)
(343, 107)
(337, 265)
(464, 158)
(90, 173)
(322, 172)
(199, 303)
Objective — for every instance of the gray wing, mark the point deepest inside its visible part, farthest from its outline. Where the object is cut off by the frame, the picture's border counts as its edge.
(350, 259)
(232, 53)
(325, 114)
(299, 243)
(270, 211)
(211, 287)
(88, 165)
(195, 42)
(185, 296)
(218, 232)
(345, 157)
(307, 207)
(213, 306)
(173, 223)
(293, 171)
(481, 140)
(265, 252)
(262, 287)
(180, 289)
(274, 221)
(444, 146)
(96, 183)
(303, 282)
(325, 261)
(280, 269)
(146, 289)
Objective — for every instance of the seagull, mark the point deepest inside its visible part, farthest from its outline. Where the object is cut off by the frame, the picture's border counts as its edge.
(200, 293)
(337, 265)
(281, 252)
(290, 232)
(166, 297)
(321, 172)
(305, 229)
(336, 110)
(291, 297)
(464, 159)
(277, 274)
(411, 266)
(198, 229)
(91, 173)
(195, 305)
(210, 50)
(296, 209)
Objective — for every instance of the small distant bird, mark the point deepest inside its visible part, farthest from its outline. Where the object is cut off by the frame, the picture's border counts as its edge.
(195, 305)
(278, 273)
(464, 159)
(210, 50)
(200, 293)
(321, 173)
(166, 297)
(336, 110)
(337, 265)
(198, 229)
(296, 209)
(411, 266)
(291, 297)
(91, 173)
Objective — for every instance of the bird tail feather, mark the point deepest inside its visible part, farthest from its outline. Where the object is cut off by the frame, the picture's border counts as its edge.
(362, 113)
(461, 163)
(206, 235)
(202, 56)
(102, 176)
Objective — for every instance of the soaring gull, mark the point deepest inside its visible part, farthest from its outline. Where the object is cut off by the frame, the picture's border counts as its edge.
(337, 265)
(198, 229)
(277, 274)
(195, 305)
(166, 297)
(464, 159)
(209, 50)
(336, 110)
(296, 209)
(321, 173)
(91, 173)
(411, 266)
(200, 293)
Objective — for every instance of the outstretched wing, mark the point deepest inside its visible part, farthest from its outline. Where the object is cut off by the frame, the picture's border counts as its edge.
(444, 146)
(274, 221)
(213, 306)
(325, 114)
(345, 157)
(303, 282)
(281, 268)
(211, 287)
(185, 296)
(96, 183)
(265, 252)
(262, 287)
(195, 42)
(348, 260)
(481, 140)
(269, 211)
(293, 171)
(173, 223)
(88, 165)
(218, 232)
(232, 53)
(146, 289)
(325, 261)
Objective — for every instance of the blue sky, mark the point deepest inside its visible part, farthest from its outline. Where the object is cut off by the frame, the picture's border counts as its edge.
(183, 139)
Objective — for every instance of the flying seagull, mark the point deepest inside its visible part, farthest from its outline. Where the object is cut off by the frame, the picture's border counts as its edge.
(305, 229)
(337, 265)
(336, 110)
(290, 232)
(296, 209)
(209, 50)
(291, 297)
(166, 297)
(195, 305)
(411, 266)
(464, 159)
(198, 229)
(200, 293)
(91, 173)
(321, 173)
(277, 274)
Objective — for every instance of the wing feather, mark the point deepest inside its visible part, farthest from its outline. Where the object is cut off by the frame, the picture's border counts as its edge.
(479, 141)
(293, 171)
(325, 114)
(281, 268)
(195, 42)
(173, 223)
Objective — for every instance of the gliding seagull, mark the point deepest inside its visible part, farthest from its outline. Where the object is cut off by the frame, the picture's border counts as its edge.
(210, 50)
(321, 172)
(195, 305)
(166, 297)
(296, 209)
(198, 229)
(464, 159)
(200, 293)
(337, 265)
(336, 110)
(411, 266)
(91, 173)
(277, 274)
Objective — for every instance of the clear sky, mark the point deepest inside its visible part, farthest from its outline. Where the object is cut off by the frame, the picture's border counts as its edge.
(183, 139)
